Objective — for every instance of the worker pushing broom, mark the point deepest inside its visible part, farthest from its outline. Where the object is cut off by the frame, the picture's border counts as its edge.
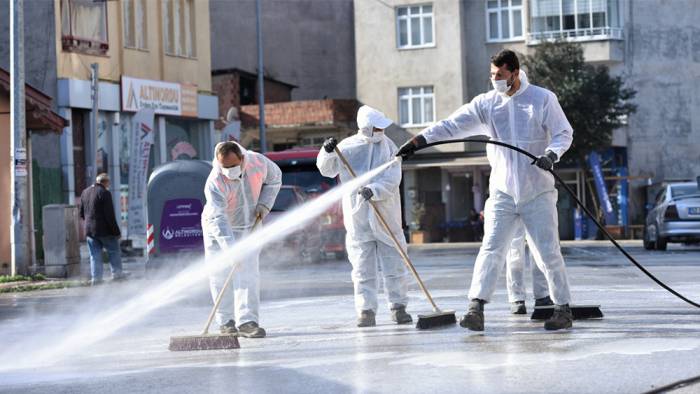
(372, 220)
(240, 191)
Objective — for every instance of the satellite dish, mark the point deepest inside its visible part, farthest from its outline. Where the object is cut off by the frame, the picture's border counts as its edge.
(232, 115)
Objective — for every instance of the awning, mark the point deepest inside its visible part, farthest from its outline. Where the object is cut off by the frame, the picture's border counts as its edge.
(447, 163)
(38, 107)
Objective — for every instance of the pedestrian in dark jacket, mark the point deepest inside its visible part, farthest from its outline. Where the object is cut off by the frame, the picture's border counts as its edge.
(101, 228)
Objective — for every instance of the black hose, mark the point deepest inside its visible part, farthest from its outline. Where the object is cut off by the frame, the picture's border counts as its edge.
(573, 195)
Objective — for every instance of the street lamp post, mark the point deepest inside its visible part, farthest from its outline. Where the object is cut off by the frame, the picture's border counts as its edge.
(261, 80)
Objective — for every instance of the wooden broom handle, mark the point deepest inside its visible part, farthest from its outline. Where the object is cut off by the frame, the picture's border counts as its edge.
(391, 234)
(219, 296)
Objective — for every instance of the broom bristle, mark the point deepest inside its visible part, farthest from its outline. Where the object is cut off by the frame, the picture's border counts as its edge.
(580, 312)
(444, 318)
(203, 342)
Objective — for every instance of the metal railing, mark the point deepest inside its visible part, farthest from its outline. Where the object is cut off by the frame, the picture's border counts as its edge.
(582, 34)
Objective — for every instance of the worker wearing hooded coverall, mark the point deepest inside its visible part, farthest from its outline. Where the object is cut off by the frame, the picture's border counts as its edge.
(518, 260)
(529, 117)
(235, 197)
(366, 241)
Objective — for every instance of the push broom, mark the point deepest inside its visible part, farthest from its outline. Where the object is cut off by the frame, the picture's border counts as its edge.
(205, 340)
(438, 317)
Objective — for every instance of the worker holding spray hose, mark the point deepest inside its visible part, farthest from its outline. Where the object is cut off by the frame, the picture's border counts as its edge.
(241, 188)
(530, 118)
(366, 241)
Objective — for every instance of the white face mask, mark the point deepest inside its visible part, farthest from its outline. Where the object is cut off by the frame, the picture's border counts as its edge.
(376, 136)
(232, 173)
(500, 85)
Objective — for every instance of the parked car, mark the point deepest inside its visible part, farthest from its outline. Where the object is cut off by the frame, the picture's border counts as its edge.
(675, 216)
(304, 245)
(299, 169)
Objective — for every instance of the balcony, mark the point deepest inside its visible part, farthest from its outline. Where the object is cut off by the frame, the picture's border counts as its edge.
(577, 35)
(602, 45)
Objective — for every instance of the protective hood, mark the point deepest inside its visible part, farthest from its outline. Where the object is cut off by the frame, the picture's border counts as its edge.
(368, 118)
(217, 166)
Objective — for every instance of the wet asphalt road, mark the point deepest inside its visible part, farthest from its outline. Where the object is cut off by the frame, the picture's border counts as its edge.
(646, 340)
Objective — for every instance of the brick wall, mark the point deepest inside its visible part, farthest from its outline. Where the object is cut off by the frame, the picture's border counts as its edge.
(226, 87)
(300, 113)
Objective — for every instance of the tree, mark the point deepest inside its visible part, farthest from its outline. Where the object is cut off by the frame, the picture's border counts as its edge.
(594, 101)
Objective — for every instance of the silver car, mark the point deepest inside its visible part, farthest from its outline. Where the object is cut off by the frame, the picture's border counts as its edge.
(675, 216)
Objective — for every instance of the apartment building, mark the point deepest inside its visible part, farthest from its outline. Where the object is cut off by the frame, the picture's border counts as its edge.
(420, 60)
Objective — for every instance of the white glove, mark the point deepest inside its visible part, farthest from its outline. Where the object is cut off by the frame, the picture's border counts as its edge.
(261, 211)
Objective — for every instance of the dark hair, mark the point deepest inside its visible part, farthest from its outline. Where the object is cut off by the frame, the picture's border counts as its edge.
(507, 57)
(224, 148)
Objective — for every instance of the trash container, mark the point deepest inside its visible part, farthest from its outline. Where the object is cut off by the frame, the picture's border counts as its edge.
(175, 202)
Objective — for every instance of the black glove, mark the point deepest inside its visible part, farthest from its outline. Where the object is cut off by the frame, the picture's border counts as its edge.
(330, 144)
(546, 161)
(409, 148)
(366, 193)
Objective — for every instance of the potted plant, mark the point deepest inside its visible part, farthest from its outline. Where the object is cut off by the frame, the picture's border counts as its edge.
(418, 233)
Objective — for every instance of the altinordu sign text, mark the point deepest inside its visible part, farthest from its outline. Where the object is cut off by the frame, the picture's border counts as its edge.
(164, 98)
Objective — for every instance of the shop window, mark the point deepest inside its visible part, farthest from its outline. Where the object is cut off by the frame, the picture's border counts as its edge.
(183, 140)
(84, 26)
(135, 31)
(179, 28)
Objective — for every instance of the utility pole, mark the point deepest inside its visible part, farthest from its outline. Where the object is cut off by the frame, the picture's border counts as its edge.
(261, 78)
(91, 142)
(20, 224)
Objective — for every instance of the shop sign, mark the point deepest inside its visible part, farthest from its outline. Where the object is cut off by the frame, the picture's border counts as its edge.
(164, 98)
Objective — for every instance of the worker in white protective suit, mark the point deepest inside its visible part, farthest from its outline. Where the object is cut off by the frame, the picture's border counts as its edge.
(519, 260)
(529, 117)
(241, 187)
(367, 242)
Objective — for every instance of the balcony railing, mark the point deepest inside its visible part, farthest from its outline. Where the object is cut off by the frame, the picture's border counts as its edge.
(584, 34)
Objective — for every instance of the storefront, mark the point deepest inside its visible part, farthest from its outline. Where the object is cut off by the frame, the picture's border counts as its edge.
(183, 128)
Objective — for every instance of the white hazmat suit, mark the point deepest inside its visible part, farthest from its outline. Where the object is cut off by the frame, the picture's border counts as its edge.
(366, 241)
(518, 261)
(229, 215)
(533, 120)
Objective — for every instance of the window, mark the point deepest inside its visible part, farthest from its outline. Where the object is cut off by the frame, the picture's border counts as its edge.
(575, 19)
(178, 27)
(135, 35)
(84, 26)
(416, 106)
(414, 26)
(504, 19)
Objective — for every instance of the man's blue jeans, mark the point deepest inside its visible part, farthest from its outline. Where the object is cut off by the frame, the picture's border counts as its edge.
(111, 244)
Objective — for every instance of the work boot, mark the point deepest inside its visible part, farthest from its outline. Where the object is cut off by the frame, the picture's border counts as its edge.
(251, 330)
(399, 315)
(228, 328)
(121, 276)
(544, 301)
(561, 318)
(518, 308)
(474, 319)
(366, 319)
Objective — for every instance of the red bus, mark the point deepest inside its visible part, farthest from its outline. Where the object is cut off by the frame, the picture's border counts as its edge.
(299, 169)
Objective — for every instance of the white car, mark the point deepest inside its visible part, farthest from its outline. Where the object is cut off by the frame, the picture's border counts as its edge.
(675, 216)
